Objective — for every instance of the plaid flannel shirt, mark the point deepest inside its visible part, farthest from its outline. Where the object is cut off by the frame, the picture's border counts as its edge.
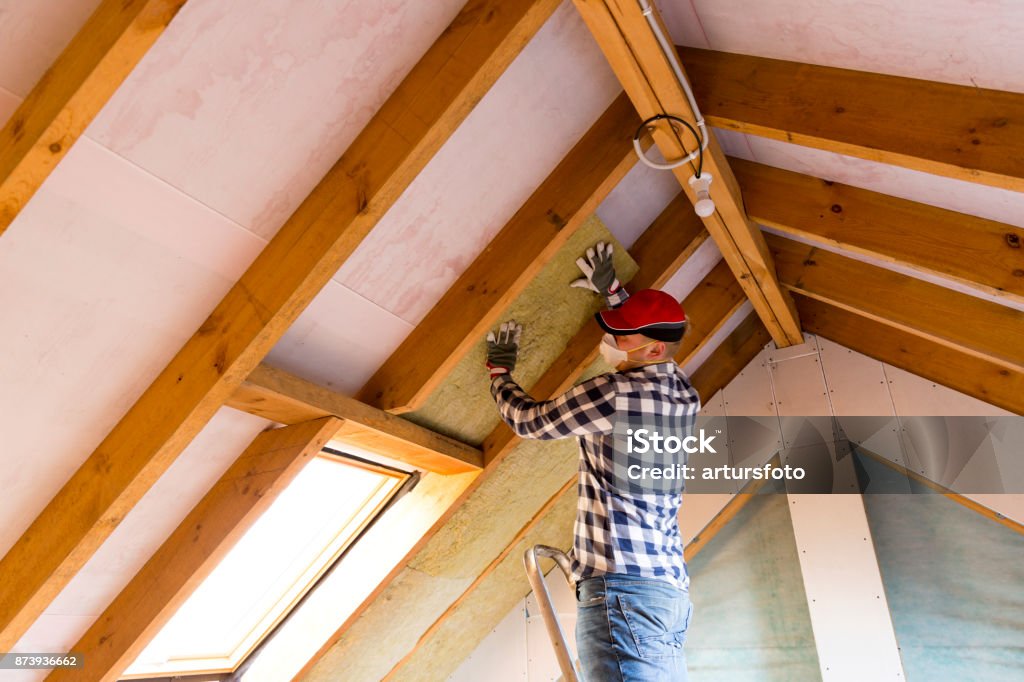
(616, 530)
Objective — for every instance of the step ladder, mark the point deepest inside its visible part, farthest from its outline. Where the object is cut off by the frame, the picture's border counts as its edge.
(547, 609)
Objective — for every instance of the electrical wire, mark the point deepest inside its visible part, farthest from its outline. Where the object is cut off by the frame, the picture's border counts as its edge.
(699, 154)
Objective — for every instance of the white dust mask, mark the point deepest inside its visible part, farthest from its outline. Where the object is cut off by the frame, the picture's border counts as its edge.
(611, 353)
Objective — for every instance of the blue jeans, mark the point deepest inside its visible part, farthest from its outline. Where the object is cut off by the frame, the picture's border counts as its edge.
(630, 628)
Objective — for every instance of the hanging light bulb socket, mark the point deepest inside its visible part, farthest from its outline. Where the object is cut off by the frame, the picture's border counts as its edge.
(703, 204)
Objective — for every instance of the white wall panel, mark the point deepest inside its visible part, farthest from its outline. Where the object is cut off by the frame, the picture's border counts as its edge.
(850, 617)
(502, 655)
(142, 531)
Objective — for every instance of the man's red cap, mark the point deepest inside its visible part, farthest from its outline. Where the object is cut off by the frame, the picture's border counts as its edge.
(650, 312)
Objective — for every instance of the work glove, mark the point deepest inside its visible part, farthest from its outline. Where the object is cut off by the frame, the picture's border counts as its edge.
(598, 270)
(503, 347)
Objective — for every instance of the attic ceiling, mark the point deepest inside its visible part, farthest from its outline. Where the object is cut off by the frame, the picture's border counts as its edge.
(238, 110)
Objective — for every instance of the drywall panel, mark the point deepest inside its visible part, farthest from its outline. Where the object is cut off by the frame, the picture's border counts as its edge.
(245, 104)
(954, 41)
(849, 612)
(750, 619)
(636, 201)
(696, 268)
(103, 276)
(142, 531)
(750, 393)
(800, 392)
(32, 35)
(752, 425)
(954, 581)
(500, 154)
(856, 383)
(340, 340)
(541, 660)
(501, 655)
(8, 103)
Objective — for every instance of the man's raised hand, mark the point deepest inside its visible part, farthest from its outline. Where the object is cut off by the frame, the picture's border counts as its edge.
(503, 348)
(598, 270)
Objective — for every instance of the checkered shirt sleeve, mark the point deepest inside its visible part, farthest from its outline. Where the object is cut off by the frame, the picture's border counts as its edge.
(588, 408)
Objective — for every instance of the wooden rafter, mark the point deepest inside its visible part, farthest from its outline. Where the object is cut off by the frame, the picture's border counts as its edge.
(327, 227)
(659, 252)
(708, 307)
(983, 254)
(630, 46)
(959, 131)
(502, 271)
(982, 379)
(274, 394)
(71, 93)
(193, 550)
(963, 323)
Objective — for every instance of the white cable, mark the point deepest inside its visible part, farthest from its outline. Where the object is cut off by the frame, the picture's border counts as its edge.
(648, 11)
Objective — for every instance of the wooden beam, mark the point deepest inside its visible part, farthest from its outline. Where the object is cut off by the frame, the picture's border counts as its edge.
(963, 323)
(983, 254)
(379, 165)
(709, 306)
(732, 355)
(629, 44)
(193, 550)
(502, 271)
(71, 93)
(975, 507)
(982, 379)
(276, 395)
(959, 131)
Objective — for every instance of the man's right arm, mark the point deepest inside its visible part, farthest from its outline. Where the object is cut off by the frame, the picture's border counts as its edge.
(584, 409)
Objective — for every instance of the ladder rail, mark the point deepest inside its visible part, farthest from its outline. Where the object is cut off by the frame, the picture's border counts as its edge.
(547, 609)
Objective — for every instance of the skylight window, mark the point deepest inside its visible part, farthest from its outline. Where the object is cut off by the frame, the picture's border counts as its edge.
(274, 564)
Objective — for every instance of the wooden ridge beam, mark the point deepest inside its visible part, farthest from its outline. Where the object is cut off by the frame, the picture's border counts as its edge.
(193, 550)
(984, 254)
(536, 232)
(982, 379)
(632, 50)
(71, 93)
(732, 355)
(959, 131)
(960, 322)
(276, 395)
(659, 252)
(382, 161)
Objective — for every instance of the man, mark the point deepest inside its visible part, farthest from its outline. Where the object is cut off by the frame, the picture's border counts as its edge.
(632, 587)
